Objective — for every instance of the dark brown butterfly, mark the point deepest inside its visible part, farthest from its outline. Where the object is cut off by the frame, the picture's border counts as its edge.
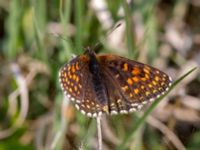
(110, 84)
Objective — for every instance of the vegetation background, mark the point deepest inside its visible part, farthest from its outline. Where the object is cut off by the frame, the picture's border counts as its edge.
(37, 37)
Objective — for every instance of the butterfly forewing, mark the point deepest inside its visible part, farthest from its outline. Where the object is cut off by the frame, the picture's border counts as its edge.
(138, 83)
(76, 82)
(71, 78)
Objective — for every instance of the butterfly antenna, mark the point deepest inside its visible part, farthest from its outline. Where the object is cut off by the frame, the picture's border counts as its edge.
(99, 45)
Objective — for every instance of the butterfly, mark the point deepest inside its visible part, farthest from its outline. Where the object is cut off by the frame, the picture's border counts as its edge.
(110, 84)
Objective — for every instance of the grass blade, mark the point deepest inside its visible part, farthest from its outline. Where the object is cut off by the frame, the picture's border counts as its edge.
(79, 25)
(129, 31)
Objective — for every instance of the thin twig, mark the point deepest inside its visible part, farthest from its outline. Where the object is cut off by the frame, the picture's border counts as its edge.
(99, 132)
(23, 93)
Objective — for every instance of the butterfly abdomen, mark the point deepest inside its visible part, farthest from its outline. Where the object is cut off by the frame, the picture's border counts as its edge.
(95, 70)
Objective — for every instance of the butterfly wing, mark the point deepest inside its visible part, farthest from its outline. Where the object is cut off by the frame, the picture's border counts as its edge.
(136, 83)
(71, 78)
(76, 83)
(117, 101)
(128, 84)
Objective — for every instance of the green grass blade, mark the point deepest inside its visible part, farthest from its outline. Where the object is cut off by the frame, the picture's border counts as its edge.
(65, 10)
(79, 25)
(13, 26)
(129, 31)
(39, 9)
(150, 109)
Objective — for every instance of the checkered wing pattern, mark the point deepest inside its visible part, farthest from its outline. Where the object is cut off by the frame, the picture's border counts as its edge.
(117, 101)
(122, 85)
(131, 84)
(76, 82)
(71, 78)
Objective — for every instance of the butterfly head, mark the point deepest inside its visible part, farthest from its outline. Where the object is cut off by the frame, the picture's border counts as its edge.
(90, 53)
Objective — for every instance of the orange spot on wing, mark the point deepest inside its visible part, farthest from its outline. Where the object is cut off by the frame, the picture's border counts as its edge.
(135, 79)
(66, 79)
(157, 78)
(146, 76)
(68, 68)
(150, 85)
(143, 79)
(131, 95)
(77, 79)
(73, 69)
(154, 82)
(135, 71)
(146, 70)
(69, 74)
(77, 66)
(74, 77)
(70, 89)
(125, 67)
(147, 93)
(75, 88)
(64, 74)
(136, 91)
(154, 91)
(129, 81)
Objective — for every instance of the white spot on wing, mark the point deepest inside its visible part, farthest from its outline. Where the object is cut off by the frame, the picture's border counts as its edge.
(100, 113)
(83, 112)
(72, 99)
(113, 112)
(134, 104)
(132, 109)
(77, 106)
(89, 114)
(158, 96)
(139, 107)
(94, 115)
(152, 99)
(144, 102)
(123, 112)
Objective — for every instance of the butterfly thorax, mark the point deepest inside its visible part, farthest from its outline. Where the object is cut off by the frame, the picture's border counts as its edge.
(96, 73)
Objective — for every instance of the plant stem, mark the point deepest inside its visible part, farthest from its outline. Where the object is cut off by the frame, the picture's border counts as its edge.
(99, 132)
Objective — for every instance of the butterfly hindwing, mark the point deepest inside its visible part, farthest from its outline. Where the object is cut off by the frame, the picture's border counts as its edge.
(138, 82)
